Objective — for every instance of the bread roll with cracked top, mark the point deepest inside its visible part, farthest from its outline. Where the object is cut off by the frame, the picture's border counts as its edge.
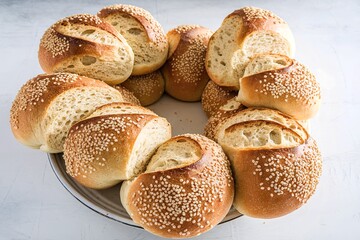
(148, 88)
(47, 105)
(214, 96)
(86, 45)
(281, 83)
(276, 164)
(243, 34)
(113, 144)
(184, 71)
(143, 33)
(186, 190)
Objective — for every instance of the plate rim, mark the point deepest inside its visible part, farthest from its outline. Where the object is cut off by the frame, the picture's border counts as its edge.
(53, 158)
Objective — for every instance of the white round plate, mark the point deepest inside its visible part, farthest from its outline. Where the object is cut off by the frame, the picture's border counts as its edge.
(184, 118)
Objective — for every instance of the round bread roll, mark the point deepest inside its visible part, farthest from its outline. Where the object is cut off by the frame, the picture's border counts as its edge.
(186, 190)
(245, 33)
(113, 144)
(147, 88)
(214, 96)
(290, 87)
(127, 95)
(276, 164)
(47, 105)
(184, 71)
(143, 33)
(86, 45)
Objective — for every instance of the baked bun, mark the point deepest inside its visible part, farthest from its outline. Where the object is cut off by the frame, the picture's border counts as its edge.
(86, 45)
(214, 96)
(113, 144)
(245, 33)
(143, 33)
(147, 88)
(186, 190)
(276, 165)
(127, 95)
(184, 71)
(47, 105)
(290, 87)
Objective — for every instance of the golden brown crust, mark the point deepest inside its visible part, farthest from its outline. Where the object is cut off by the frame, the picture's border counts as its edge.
(70, 45)
(184, 71)
(97, 149)
(56, 47)
(272, 183)
(33, 99)
(214, 96)
(187, 201)
(128, 96)
(256, 18)
(220, 116)
(250, 20)
(156, 38)
(148, 88)
(154, 30)
(292, 90)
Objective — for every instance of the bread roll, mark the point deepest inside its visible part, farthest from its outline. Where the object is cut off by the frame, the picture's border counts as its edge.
(47, 105)
(186, 190)
(245, 33)
(214, 96)
(184, 71)
(143, 33)
(86, 45)
(276, 164)
(147, 88)
(127, 95)
(113, 144)
(290, 87)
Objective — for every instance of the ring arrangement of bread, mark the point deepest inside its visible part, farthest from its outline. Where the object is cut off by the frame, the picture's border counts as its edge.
(256, 153)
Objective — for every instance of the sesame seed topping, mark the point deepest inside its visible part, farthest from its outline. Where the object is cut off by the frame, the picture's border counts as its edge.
(253, 13)
(58, 44)
(91, 139)
(189, 66)
(294, 174)
(145, 86)
(185, 28)
(297, 82)
(215, 96)
(32, 92)
(184, 204)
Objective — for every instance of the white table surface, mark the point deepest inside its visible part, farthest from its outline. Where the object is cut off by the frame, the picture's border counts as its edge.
(34, 205)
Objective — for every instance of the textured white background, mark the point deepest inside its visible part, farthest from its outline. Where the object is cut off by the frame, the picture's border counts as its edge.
(34, 205)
